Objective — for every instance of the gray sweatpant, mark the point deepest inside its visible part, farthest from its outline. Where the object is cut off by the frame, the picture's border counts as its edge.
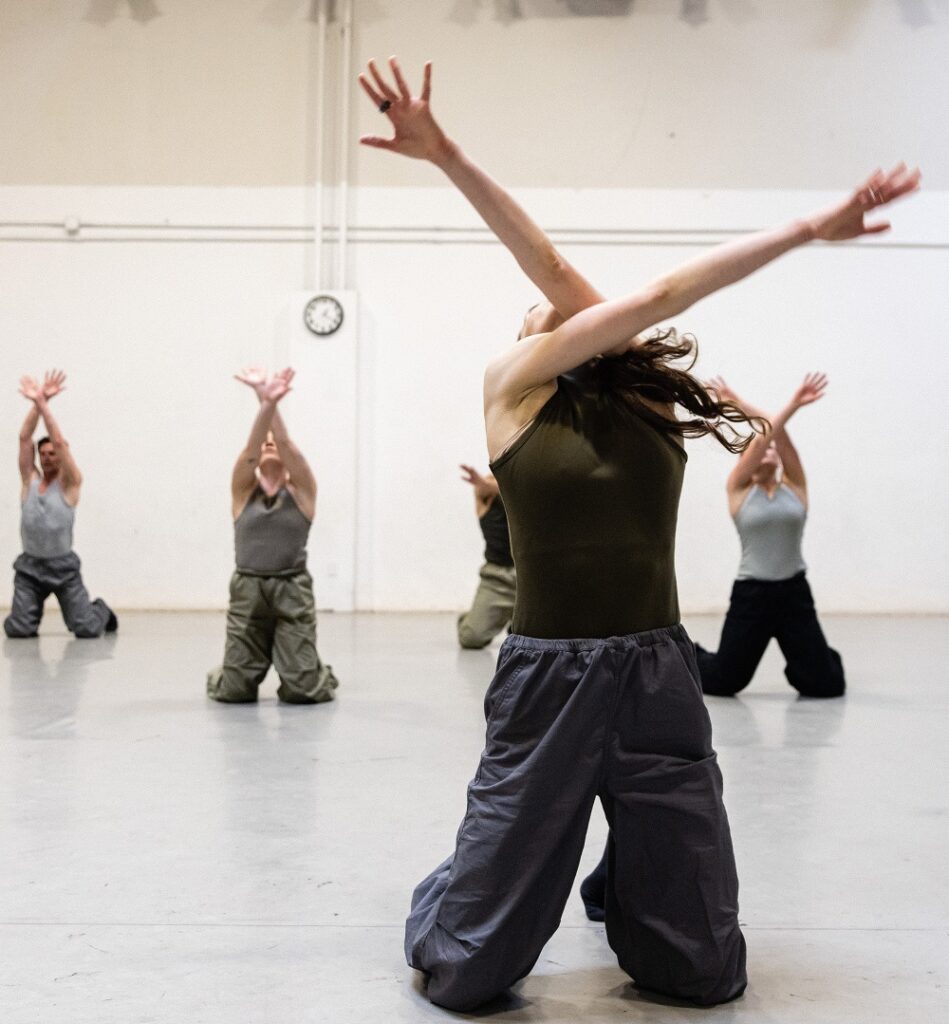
(36, 578)
(568, 720)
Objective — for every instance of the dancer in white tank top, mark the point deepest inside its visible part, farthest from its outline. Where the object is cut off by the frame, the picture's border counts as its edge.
(771, 598)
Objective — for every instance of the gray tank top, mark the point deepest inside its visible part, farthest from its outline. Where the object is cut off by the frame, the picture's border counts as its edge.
(770, 530)
(46, 521)
(270, 535)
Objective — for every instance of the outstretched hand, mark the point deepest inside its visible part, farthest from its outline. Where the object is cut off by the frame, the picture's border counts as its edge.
(267, 389)
(813, 388)
(847, 219)
(278, 385)
(54, 381)
(417, 133)
(29, 389)
(254, 377)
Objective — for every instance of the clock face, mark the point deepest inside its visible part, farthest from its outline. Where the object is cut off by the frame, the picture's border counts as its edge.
(323, 315)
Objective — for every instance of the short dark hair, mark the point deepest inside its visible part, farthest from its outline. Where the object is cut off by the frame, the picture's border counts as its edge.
(42, 441)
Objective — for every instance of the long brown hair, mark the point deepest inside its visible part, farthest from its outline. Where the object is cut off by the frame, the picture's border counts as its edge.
(646, 374)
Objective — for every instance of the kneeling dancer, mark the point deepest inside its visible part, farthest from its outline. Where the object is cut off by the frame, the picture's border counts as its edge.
(49, 497)
(597, 691)
(493, 603)
(767, 499)
(271, 618)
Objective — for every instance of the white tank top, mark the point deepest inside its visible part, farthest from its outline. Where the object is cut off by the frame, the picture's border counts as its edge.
(771, 530)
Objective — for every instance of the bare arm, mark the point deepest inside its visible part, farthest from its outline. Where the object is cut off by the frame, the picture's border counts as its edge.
(301, 476)
(417, 134)
(604, 327)
(244, 476)
(244, 479)
(27, 460)
(610, 325)
(268, 392)
(740, 477)
(70, 477)
(812, 390)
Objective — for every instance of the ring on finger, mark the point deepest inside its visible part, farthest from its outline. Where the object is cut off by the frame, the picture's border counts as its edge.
(384, 106)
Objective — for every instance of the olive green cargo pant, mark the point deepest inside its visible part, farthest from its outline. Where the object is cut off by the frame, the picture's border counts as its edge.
(492, 607)
(272, 620)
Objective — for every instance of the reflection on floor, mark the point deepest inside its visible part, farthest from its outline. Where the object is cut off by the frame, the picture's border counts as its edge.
(163, 858)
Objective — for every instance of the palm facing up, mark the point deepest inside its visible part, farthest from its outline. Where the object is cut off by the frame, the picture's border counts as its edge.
(254, 377)
(267, 389)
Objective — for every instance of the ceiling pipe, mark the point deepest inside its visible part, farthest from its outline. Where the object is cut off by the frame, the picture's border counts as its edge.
(320, 129)
(343, 129)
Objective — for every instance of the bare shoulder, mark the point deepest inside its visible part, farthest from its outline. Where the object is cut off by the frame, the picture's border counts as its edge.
(71, 491)
(508, 408)
(737, 493)
(27, 483)
(305, 501)
(798, 490)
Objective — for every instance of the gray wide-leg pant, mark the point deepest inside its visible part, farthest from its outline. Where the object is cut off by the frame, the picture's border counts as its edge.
(272, 620)
(36, 578)
(567, 721)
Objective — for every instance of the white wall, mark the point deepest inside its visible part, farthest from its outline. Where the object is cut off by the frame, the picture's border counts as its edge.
(151, 327)
(638, 132)
(759, 94)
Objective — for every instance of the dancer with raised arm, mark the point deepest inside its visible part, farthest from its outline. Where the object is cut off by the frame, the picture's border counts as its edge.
(271, 618)
(596, 691)
(771, 598)
(48, 497)
(493, 604)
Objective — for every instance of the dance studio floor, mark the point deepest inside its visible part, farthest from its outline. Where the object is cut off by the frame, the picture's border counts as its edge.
(166, 859)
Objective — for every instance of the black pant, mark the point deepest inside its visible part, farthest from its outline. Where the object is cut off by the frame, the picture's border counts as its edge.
(760, 610)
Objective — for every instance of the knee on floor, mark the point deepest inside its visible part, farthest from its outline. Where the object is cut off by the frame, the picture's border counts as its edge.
(470, 640)
(86, 633)
(15, 632)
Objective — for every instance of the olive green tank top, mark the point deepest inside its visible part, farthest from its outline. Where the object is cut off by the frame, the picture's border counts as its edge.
(592, 494)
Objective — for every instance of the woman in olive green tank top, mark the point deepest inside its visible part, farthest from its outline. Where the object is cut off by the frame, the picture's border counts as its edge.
(599, 695)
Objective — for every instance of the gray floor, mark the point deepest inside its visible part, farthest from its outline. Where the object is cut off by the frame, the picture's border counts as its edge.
(163, 858)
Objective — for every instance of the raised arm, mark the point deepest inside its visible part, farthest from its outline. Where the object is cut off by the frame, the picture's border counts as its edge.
(40, 395)
(811, 390)
(27, 457)
(418, 135)
(750, 458)
(302, 479)
(269, 393)
(605, 327)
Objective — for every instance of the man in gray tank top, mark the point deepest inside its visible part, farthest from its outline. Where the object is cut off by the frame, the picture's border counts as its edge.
(49, 495)
(271, 618)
